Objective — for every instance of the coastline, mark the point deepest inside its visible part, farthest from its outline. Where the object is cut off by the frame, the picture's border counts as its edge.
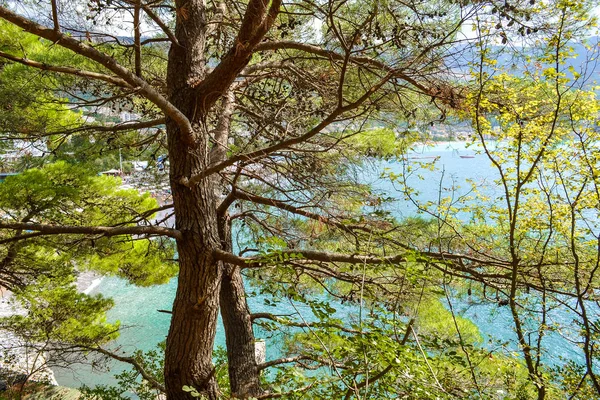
(87, 281)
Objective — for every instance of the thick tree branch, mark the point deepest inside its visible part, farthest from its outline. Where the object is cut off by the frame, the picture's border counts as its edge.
(108, 62)
(17, 238)
(67, 70)
(137, 38)
(309, 255)
(285, 360)
(257, 154)
(299, 211)
(266, 315)
(252, 156)
(124, 126)
(55, 16)
(92, 230)
(332, 55)
(256, 23)
(351, 228)
(120, 127)
(285, 322)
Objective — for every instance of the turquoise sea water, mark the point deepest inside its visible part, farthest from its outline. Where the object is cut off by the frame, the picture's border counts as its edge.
(144, 326)
(136, 307)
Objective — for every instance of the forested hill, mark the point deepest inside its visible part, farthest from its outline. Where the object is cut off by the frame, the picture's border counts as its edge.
(583, 60)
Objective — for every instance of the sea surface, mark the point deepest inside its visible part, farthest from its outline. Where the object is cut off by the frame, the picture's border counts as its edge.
(145, 326)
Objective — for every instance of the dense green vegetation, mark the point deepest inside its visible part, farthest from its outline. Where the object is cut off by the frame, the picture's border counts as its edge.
(270, 113)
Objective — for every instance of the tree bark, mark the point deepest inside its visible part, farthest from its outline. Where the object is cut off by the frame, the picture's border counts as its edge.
(244, 376)
(188, 357)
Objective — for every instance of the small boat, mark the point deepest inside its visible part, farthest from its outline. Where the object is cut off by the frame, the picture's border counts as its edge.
(467, 156)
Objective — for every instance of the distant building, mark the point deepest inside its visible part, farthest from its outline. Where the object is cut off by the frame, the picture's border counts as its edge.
(139, 165)
(112, 172)
(21, 148)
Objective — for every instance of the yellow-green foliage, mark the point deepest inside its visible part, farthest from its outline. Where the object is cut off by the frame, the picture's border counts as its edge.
(141, 262)
(379, 142)
(25, 106)
(66, 194)
(435, 319)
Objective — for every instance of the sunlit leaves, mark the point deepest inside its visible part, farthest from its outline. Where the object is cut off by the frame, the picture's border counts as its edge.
(70, 194)
(57, 312)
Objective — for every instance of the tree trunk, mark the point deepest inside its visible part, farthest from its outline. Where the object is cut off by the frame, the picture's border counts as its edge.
(188, 358)
(244, 377)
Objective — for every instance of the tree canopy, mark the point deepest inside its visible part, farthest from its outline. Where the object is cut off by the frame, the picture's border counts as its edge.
(269, 113)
